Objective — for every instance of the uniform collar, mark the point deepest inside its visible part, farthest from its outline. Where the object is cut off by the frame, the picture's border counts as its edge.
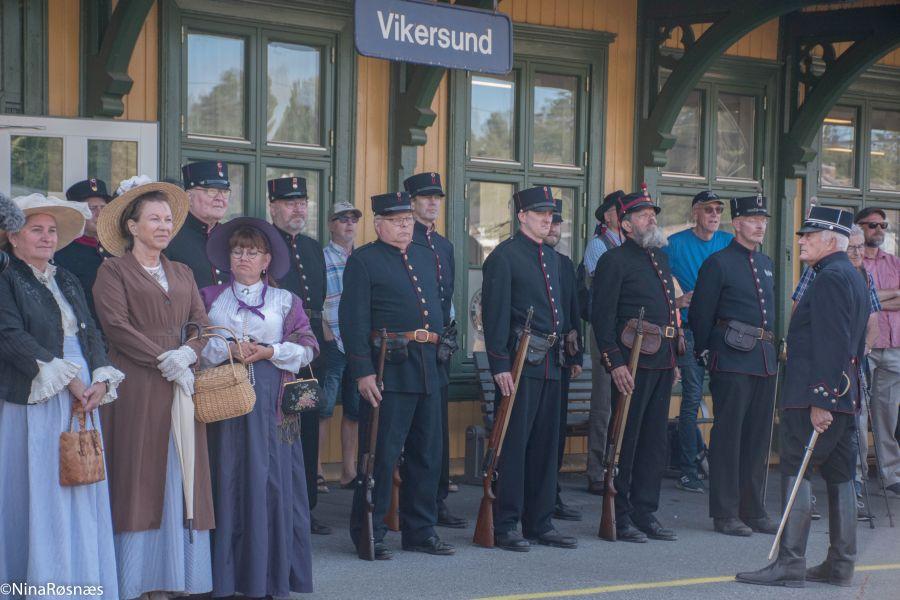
(392, 248)
(833, 257)
(196, 224)
(520, 235)
(741, 248)
(289, 237)
(88, 241)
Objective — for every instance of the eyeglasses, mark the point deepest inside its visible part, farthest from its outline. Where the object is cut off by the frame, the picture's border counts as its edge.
(347, 219)
(714, 209)
(883, 225)
(855, 248)
(399, 221)
(211, 193)
(249, 253)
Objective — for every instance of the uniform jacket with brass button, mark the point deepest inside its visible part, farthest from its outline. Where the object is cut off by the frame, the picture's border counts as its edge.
(734, 284)
(306, 277)
(826, 339)
(627, 278)
(189, 247)
(444, 263)
(385, 287)
(521, 273)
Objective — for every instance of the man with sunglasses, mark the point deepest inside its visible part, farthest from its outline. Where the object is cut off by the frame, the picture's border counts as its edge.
(885, 355)
(209, 191)
(288, 207)
(687, 250)
(426, 194)
(393, 299)
(343, 222)
(85, 256)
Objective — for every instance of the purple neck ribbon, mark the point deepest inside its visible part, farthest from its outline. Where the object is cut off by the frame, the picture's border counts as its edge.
(253, 309)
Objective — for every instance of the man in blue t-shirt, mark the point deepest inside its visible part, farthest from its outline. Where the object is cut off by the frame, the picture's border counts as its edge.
(687, 250)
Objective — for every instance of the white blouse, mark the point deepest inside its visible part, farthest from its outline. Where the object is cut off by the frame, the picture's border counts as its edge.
(53, 376)
(245, 324)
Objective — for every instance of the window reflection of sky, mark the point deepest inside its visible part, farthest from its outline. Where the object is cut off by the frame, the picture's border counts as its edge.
(210, 57)
(491, 96)
(290, 64)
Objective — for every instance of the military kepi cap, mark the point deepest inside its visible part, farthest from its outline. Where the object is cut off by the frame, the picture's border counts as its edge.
(608, 203)
(89, 188)
(207, 173)
(822, 218)
(706, 196)
(424, 184)
(750, 206)
(286, 188)
(387, 204)
(538, 198)
(634, 202)
(557, 211)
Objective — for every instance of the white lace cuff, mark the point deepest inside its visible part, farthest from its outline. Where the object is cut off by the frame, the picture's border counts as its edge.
(51, 379)
(112, 377)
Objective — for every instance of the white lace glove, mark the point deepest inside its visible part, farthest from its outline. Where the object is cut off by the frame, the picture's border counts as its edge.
(185, 381)
(127, 184)
(174, 362)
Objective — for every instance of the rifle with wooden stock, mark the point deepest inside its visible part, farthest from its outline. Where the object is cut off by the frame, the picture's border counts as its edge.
(366, 548)
(392, 518)
(484, 527)
(614, 447)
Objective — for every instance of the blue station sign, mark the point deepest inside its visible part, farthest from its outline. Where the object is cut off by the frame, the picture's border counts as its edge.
(425, 32)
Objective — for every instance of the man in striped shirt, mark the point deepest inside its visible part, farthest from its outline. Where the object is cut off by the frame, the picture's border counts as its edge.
(342, 222)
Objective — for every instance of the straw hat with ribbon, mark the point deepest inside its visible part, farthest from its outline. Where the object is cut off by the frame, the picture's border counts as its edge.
(69, 216)
(109, 231)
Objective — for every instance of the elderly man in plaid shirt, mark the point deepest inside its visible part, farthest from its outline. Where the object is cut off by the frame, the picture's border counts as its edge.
(342, 223)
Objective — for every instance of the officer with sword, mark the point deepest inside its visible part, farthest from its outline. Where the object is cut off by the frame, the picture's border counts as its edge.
(821, 394)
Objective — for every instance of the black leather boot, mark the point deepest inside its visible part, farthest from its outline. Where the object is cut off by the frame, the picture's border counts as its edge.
(838, 566)
(789, 569)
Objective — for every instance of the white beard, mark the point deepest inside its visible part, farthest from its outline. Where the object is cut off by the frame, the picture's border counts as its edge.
(654, 238)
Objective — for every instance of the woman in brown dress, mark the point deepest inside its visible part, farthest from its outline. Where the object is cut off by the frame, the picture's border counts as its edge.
(143, 300)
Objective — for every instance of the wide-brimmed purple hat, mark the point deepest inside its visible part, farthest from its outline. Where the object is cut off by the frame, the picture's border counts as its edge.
(219, 253)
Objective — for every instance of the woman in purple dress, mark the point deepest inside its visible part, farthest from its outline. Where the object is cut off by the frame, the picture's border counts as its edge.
(261, 545)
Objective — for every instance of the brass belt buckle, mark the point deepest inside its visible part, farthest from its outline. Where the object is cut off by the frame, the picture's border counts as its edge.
(669, 332)
(762, 334)
(424, 333)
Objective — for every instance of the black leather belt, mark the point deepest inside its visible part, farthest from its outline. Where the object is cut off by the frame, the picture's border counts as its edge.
(758, 332)
(422, 336)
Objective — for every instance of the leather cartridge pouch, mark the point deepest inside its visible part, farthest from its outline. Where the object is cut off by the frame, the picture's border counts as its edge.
(653, 336)
(448, 344)
(538, 346)
(397, 349)
(741, 336)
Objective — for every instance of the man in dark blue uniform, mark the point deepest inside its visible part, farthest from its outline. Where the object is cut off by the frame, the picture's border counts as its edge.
(426, 194)
(209, 192)
(84, 256)
(572, 347)
(632, 276)
(522, 273)
(288, 205)
(393, 287)
(822, 388)
(732, 317)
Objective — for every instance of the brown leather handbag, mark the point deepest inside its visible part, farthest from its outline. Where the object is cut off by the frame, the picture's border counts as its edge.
(80, 452)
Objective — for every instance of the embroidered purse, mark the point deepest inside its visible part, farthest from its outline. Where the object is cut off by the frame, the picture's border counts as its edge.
(301, 395)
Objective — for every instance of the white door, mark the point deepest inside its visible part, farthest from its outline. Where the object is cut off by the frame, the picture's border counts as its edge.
(48, 154)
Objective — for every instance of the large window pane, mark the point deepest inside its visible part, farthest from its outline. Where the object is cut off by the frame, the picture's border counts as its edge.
(312, 188)
(838, 156)
(884, 152)
(493, 117)
(36, 165)
(735, 127)
(215, 86)
(112, 160)
(555, 100)
(684, 156)
(489, 218)
(293, 94)
(676, 214)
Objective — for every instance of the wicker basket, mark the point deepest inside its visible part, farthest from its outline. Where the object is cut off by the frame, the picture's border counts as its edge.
(222, 392)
